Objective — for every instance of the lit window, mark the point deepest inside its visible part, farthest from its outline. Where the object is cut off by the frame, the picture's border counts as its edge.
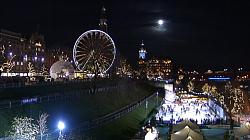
(25, 58)
(17, 63)
(21, 63)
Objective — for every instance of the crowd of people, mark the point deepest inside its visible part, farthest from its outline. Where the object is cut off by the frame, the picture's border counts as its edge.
(194, 108)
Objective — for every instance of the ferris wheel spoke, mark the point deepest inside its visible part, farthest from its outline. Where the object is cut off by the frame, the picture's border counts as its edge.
(103, 57)
(108, 45)
(107, 49)
(87, 40)
(93, 39)
(105, 42)
(81, 51)
(82, 58)
(108, 55)
(94, 52)
(81, 43)
(102, 39)
(82, 55)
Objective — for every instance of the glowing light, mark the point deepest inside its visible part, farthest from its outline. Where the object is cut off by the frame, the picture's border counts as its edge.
(61, 125)
(38, 44)
(160, 21)
(219, 78)
(25, 57)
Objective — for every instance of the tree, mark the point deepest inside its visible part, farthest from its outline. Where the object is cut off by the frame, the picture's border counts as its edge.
(206, 88)
(24, 128)
(190, 86)
(44, 71)
(231, 100)
(42, 124)
(8, 65)
(31, 69)
(213, 91)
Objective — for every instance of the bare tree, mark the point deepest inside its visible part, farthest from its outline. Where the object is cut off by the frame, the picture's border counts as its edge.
(214, 91)
(206, 88)
(42, 124)
(23, 128)
(190, 86)
(231, 99)
(8, 65)
(31, 69)
(44, 71)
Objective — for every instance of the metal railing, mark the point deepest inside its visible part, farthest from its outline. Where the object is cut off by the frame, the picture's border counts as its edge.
(9, 104)
(112, 116)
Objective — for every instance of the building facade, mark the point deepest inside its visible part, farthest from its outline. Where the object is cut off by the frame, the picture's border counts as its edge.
(154, 68)
(21, 56)
(159, 69)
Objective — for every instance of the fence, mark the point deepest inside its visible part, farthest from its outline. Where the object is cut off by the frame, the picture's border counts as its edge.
(9, 104)
(112, 116)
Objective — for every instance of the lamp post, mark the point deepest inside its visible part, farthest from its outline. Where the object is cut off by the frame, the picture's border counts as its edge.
(60, 126)
(157, 98)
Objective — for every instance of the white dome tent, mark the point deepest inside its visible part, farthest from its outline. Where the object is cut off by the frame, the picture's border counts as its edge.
(186, 134)
(183, 124)
(62, 69)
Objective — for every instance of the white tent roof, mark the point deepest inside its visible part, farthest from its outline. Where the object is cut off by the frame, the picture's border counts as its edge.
(243, 130)
(64, 67)
(186, 134)
(189, 138)
(183, 124)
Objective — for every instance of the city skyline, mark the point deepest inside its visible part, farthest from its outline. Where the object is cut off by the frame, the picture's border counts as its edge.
(193, 34)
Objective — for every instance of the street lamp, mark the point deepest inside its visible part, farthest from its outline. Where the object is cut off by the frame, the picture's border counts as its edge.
(157, 97)
(60, 126)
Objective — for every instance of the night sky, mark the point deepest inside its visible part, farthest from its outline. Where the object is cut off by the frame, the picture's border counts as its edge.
(195, 34)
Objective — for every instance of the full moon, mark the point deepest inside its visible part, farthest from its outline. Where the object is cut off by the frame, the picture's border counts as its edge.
(160, 21)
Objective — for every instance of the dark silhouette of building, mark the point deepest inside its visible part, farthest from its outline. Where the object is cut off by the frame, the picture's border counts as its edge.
(103, 20)
(17, 52)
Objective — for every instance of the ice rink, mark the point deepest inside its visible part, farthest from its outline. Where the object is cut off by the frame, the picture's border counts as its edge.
(186, 107)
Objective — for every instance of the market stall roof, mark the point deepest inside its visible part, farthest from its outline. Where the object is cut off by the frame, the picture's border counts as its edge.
(186, 134)
(183, 124)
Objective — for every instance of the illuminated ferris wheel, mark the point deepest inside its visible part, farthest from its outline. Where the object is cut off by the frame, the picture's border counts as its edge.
(94, 52)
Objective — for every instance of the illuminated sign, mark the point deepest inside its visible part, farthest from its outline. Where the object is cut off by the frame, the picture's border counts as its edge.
(28, 101)
(219, 78)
